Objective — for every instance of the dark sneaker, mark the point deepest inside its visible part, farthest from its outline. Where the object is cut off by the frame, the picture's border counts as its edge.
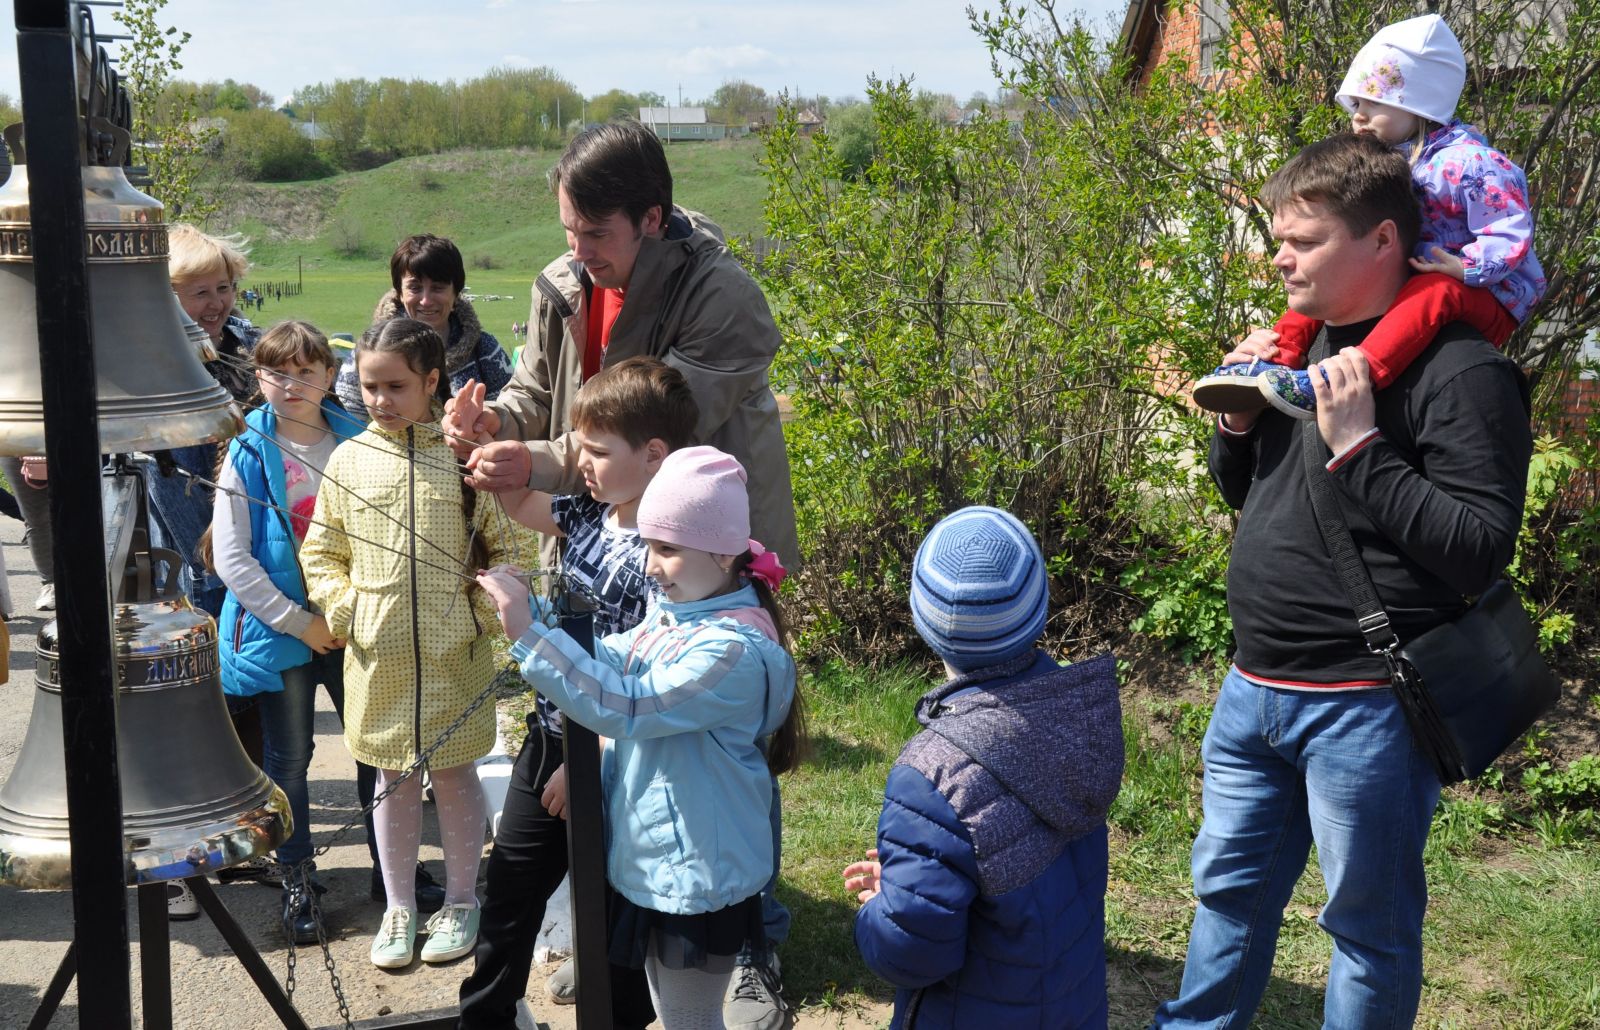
(1289, 390)
(430, 892)
(1233, 389)
(755, 999)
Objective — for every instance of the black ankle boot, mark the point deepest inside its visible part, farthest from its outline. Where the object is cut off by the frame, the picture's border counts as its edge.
(299, 922)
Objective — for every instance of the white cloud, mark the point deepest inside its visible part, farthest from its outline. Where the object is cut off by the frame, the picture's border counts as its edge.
(703, 60)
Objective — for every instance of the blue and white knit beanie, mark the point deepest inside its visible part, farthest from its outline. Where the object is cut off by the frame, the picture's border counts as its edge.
(978, 590)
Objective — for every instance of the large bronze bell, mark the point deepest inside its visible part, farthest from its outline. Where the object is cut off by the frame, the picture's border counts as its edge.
(192, 802)
(153, 392)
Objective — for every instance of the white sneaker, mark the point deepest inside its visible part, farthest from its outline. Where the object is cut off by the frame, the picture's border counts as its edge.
(46, 602)
(181, 903)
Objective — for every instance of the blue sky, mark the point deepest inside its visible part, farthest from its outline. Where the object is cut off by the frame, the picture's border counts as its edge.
(815, 46)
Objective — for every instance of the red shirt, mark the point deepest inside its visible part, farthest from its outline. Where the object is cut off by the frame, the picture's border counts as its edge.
(604, 307)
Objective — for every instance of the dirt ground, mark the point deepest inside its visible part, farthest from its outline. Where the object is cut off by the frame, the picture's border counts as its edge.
(210, 988)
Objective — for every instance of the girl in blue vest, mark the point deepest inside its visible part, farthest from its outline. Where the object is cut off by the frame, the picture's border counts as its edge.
(275, 646)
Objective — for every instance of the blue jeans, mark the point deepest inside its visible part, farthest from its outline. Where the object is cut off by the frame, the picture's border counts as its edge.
(180, 511)
(1284, 769)
(287, 718)
(774, 916)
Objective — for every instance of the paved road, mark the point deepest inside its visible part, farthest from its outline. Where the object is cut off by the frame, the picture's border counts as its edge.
(210, 988)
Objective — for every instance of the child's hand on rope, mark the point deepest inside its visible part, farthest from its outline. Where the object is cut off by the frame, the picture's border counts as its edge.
(862, 878)
(508, 587)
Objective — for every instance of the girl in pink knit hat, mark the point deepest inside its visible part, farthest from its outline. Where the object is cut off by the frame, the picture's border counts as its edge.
(700, 706)
(1474, 254)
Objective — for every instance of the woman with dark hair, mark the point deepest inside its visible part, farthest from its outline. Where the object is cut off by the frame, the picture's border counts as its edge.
(427, 276)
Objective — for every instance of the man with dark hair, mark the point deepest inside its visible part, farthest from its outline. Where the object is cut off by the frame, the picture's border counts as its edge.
(1307, 741)
(642, 277)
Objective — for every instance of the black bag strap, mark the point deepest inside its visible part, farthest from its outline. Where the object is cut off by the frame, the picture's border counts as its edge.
(1371, 617)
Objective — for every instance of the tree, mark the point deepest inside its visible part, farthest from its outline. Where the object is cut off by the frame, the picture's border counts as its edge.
(948, 340)
(1008, 313)
(737, 102)
(266, 147)
(166, 137)
(10, 113)
(854, 137)
(613, 104)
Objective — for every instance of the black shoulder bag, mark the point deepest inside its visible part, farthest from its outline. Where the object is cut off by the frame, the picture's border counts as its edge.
(1470, 687)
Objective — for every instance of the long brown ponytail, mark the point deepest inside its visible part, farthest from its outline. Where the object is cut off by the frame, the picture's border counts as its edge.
(792, 741)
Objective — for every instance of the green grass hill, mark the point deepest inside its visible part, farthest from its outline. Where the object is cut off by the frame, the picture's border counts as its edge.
(494, 204)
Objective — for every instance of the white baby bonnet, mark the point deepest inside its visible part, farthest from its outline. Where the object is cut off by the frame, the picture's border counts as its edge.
(1415, 65)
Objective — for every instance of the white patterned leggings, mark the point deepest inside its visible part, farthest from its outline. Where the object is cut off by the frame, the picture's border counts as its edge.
(398, 825)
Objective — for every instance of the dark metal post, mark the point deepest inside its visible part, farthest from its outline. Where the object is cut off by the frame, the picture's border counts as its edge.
(586, 854)
(54, 134)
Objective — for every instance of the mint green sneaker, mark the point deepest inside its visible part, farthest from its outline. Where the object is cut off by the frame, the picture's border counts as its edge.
(391, 948)
(452, 931)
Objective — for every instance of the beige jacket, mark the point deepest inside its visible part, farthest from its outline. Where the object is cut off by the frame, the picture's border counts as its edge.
(690, 304)
(419, 650)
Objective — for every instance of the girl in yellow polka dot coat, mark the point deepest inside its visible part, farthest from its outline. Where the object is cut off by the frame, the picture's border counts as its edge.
(417, 650)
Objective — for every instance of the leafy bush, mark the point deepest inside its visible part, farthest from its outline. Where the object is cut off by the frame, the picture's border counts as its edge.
(949, 341)
(1560, 537)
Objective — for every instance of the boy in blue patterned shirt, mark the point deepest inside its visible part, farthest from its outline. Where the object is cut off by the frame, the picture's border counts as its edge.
(628, 417)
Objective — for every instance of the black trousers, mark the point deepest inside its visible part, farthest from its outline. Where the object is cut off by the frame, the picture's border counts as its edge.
(526, 866)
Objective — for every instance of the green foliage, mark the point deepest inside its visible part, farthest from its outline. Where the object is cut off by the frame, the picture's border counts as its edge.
(950, 339)
(369, 123)
(850, 128)
(10, 113)
(1559, 544)
(265, 146)
(1571, 789)
(167, 139)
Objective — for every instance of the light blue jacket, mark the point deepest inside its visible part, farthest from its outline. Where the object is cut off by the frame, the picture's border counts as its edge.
(688, 697)
(254, 655)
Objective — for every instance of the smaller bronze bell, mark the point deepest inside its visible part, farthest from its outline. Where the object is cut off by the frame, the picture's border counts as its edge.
(192, 802)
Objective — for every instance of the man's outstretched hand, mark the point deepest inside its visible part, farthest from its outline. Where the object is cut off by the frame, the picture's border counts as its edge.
(467, 423)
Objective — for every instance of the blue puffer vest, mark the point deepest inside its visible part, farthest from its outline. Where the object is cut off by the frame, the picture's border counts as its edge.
(991, 906)
(254, 655)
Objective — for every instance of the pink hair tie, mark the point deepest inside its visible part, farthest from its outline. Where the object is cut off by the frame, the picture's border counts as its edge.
(766, 567)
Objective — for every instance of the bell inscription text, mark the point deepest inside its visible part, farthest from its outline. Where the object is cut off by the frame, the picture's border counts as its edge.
(105, 243)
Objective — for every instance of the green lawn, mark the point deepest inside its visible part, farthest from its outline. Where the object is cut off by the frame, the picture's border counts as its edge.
(338, 233)
(1513, 929)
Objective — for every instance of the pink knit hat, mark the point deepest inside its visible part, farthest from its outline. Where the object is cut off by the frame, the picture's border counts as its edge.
(698, 499)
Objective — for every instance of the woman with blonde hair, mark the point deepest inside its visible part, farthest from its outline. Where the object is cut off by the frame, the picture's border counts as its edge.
(205, 271)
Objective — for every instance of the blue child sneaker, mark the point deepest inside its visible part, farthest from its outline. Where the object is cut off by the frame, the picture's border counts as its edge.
(1289, 390)
(1233, 389)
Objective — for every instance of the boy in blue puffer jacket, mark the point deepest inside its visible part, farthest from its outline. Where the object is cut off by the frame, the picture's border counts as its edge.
(986, 903)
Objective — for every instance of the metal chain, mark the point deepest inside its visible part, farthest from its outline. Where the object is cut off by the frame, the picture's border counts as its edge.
(301, 871)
